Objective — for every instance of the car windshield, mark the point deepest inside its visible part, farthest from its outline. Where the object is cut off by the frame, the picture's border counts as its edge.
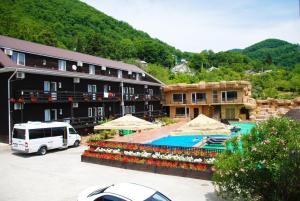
(158, 197)
(96, 192)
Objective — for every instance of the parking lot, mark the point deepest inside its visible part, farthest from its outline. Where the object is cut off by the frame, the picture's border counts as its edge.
(60, 176)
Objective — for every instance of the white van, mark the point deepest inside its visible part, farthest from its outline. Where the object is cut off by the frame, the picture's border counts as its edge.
(39, 137)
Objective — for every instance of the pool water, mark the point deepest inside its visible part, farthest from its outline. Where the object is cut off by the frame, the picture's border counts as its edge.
(191, 140)
(245, 127)
(183, 141)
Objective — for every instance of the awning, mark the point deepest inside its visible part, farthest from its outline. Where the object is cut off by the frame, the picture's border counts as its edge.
(127, 122)
(202, 125)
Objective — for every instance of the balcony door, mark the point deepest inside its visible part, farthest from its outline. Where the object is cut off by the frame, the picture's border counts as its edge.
(92, 89)
(51, 87)
(105, 91)
(50, 114)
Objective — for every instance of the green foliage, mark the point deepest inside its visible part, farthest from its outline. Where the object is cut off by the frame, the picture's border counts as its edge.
(74, 25)
(167, 120)
(159, 72)
(267, 168)
(274, 51)
(102, 135)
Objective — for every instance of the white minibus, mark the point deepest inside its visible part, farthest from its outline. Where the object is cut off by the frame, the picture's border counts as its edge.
(40, 137)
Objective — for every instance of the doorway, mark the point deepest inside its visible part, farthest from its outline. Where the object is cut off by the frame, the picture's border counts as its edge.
(196, 112)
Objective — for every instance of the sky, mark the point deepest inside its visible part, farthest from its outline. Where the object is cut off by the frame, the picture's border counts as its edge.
(218, 25)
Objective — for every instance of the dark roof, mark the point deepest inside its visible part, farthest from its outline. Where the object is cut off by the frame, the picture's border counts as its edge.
(35, 48)
(10, 66)
(293, 114)
(5, 61)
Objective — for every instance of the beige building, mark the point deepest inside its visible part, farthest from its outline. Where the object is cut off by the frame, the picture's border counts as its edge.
(221, 100)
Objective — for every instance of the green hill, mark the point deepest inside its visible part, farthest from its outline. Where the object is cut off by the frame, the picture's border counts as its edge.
(274, 51)
(74, 25)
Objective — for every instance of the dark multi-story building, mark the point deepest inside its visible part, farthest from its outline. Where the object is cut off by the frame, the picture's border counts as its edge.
(43, 83)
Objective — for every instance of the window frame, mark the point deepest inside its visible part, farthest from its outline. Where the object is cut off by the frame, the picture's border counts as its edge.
(183, 97)
(62, 67)
(92, 70)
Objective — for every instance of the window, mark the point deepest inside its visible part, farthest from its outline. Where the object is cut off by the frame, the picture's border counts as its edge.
(19, 58)
(229, 95)
(179, 98)
(36, 133)
(58, 131)
(47, 132)
(180, 111)
(119, 73)
(91, 69)
(90, 112)
(151, 108)
(138, 76)
(109, 198)
(72, 131)
(92, 88)
(158, 197)
(62, 65)
(151, 92)
(19, 134)
(198, 97)
(47, 115)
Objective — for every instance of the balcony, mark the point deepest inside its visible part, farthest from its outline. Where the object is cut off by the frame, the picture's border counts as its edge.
(141, 97)
(82, 122)
(36, 96)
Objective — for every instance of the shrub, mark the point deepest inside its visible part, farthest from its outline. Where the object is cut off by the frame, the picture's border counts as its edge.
(264, 165)
(167, 120)
(102, 135)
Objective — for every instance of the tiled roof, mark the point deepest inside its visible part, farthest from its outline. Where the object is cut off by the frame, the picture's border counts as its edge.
(45, 50)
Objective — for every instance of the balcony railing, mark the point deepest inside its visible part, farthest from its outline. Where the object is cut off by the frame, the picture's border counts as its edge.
(82, 122)
(35, 96)
(141, 97)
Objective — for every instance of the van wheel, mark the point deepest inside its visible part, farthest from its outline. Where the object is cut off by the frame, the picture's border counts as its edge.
(76, 143)
(42, 150)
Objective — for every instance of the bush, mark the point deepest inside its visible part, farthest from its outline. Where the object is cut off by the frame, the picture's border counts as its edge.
(167, 120)
(102, 135)
(264, 165)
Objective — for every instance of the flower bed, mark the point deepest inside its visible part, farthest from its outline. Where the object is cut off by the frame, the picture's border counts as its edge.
(180, 161)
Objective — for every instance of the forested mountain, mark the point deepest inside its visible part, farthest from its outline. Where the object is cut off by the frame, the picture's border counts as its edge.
(74, 25)
(272, 65)
(274, 51)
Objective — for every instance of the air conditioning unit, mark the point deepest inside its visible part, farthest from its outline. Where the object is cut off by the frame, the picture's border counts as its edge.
(129, 73)
(79, 63)
(76, 80)
(18, 106)
(75, 105)
(8, 52)
(20, 75)
(103, 67)
(143, 74)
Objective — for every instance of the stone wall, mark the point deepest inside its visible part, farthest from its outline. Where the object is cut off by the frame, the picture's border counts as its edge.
(272, 108)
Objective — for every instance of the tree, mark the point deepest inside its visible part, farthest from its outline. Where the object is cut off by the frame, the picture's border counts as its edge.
(263, 165)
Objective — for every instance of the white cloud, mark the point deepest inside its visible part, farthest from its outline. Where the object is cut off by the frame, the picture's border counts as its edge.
(197, 25)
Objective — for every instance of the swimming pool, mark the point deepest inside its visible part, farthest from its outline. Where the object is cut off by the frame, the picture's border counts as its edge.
(182, 141)
(191, 140)
(245, 127)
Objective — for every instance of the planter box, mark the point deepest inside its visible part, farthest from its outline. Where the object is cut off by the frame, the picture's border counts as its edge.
(207, 174)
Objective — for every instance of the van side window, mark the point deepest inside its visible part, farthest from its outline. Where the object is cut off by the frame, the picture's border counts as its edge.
(36, 133)
(19, 134)
(72, 131)
(59, 131)
(47, 132)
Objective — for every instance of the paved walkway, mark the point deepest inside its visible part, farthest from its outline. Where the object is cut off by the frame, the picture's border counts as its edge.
(150, 135)
(60, 176)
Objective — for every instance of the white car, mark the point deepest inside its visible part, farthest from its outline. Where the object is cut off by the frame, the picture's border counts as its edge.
(121, 192)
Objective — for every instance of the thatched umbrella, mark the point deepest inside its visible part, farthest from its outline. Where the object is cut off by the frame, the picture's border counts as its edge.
(127, 122)
(202, 125)
(294, 114)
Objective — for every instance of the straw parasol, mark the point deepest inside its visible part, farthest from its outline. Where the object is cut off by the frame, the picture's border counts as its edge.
(202, 125)
(127, 122)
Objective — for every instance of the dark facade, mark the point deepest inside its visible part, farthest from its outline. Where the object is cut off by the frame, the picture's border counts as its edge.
(44, 87)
